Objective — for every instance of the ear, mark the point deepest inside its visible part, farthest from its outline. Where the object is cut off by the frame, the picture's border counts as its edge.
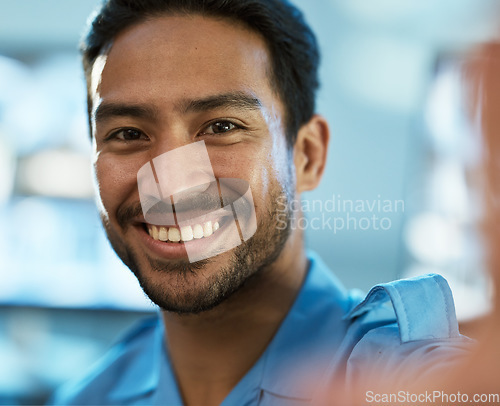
(310, 151)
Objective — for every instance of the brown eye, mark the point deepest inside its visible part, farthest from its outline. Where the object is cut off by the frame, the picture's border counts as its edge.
(129, 134)
(220, 127)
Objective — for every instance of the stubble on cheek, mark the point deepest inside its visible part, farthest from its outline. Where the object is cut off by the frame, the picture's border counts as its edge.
(184, 287)
(117, 242)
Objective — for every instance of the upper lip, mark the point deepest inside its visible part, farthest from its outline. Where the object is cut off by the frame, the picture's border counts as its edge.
(139, 220)
(195, 213)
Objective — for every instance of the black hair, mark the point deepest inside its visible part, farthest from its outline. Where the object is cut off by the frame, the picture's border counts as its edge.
(292, 44)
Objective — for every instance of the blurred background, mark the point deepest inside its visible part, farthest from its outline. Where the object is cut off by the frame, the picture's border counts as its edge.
(396, 189)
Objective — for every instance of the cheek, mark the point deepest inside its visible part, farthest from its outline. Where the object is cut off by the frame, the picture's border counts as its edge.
(263, 165)
(247, 162)
(270, 169)
(282, 163)
(266, 174)
(116, 182)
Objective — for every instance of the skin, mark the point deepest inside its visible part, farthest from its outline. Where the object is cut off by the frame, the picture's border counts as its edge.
(163, 64)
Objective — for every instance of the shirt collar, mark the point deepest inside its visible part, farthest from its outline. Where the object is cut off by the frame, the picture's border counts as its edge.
(144, 375)
(309, 336)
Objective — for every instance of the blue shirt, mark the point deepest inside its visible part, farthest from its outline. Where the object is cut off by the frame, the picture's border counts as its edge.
(328, 335)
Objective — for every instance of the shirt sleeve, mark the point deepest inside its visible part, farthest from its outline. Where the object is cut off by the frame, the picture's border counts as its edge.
(422, 341)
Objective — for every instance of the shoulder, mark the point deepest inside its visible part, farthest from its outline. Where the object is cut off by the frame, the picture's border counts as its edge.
(112, 372)
(405, 329)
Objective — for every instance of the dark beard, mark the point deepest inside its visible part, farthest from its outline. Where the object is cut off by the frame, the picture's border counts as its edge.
(248, 261)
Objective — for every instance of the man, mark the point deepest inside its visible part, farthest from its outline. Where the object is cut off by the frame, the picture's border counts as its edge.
(261, 322)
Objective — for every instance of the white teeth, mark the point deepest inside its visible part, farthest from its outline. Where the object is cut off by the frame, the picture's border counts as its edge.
(207, 229)
(197, 231)
(174, 235)
(186, 233)
(162, 235)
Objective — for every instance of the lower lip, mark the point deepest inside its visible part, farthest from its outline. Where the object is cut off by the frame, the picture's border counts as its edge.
(177, 250)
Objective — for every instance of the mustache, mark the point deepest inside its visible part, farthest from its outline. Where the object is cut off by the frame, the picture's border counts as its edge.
(125, 215)
(206, 201)
(186, 202)
(203, 202)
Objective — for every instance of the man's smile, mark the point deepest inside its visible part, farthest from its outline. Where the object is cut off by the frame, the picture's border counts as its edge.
(195, 239)
(185, 233)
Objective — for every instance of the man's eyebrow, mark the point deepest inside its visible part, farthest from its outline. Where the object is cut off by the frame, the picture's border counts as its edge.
(109, 110)
(238, 100)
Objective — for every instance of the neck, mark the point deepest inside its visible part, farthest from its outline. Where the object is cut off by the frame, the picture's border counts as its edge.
(213, 350)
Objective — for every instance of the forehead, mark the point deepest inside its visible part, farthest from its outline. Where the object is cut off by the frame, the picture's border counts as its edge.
(172, 57)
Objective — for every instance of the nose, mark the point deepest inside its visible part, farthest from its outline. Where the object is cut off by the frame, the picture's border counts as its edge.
(186, 167)
(169, 140)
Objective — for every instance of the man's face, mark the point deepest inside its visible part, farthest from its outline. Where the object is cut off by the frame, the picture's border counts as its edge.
(164, 84)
